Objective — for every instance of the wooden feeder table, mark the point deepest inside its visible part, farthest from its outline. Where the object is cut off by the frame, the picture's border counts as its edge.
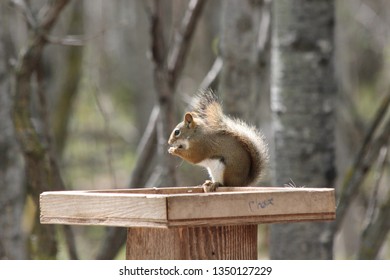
(185, 222)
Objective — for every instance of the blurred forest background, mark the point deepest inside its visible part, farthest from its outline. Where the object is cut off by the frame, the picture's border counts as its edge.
(90, 90)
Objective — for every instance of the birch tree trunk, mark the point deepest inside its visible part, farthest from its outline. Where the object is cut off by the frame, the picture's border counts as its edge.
(302, 93)
(239, 34)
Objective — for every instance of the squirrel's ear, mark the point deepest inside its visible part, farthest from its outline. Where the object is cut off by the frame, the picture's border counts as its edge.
(189, 120)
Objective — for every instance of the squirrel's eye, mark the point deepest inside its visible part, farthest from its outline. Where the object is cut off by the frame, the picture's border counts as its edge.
(177, 132)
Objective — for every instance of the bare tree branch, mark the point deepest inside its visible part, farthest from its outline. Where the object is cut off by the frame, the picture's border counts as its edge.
(164, 92)
(158, 47)
(182, 39)
(378, 218)
(373, 203)
(367, 155)
(373, 23)
(212, 75)
(49, 13)
(380, 115)
(168, 66)
(145, 150)
(375, 233)
(161, 119)
(24, 8)
(70, 40)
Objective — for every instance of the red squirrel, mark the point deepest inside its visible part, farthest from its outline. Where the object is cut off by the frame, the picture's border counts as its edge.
(234, 153)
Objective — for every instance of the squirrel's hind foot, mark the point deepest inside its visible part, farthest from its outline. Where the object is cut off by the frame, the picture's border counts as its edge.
(209, 186)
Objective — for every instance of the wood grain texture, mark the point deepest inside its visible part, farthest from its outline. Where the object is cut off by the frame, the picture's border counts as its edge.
(187, 206)
(236, 242)
(243, 204)
(100, 208)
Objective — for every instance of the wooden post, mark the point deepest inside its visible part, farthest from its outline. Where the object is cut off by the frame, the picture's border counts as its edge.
(235, 242)
(185, 223)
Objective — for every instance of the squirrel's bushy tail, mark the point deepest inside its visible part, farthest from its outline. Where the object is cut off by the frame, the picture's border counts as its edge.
(208, 108)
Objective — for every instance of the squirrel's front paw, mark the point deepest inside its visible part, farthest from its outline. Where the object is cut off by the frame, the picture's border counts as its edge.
(172, 150)
(209, 186)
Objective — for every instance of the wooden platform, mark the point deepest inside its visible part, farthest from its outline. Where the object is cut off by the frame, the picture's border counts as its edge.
(187, 206)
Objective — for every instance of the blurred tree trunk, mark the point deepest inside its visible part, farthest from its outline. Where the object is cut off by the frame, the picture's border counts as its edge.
(165, 92)
(12, 198)
(241, 21)
(302, 94)
(41, 167)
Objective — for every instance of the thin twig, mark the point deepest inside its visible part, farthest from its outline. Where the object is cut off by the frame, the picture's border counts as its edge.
(25, 9)
(69, 40)
(375, 234)
(146, 148)
(380, 115)
(213, 73)
(373, 203)
(376, 26)
(107, 131)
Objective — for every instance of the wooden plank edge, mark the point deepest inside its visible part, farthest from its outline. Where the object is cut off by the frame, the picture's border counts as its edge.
(319, 217)
(269, 219)
(186, 191)
(114, 222)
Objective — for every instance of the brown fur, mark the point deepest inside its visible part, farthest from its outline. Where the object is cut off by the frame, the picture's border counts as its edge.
(206, 133)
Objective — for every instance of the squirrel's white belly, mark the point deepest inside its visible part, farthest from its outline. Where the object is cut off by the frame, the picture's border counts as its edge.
(216, 169)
